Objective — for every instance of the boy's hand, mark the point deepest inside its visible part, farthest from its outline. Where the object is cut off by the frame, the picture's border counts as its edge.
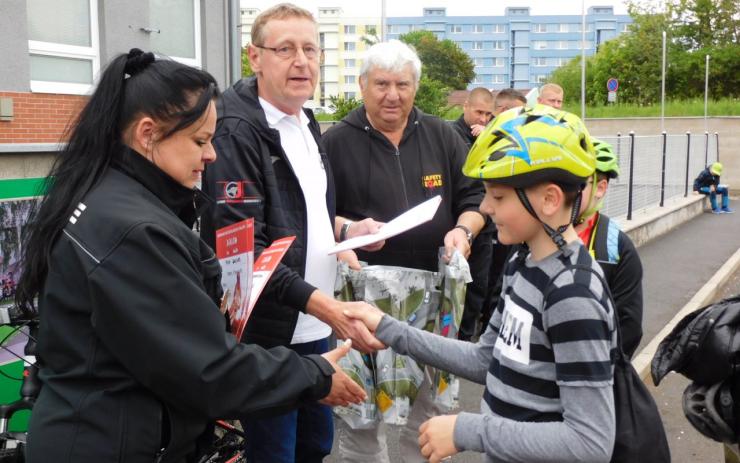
(436, 438)
(368, 315)
(343, 390)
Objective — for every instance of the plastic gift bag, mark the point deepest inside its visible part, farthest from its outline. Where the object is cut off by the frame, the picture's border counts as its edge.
(432, 301)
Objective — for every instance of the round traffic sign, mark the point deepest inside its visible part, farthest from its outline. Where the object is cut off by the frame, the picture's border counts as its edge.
(612, 84)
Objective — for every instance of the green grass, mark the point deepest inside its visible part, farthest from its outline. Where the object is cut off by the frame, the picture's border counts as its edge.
(673, 108)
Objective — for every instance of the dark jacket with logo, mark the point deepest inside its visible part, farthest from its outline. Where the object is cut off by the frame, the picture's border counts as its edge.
(252, 177)
(374, 179)
(135, 357)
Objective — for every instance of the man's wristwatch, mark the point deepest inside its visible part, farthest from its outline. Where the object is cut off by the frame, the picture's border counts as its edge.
(343, 231)
(468, 233)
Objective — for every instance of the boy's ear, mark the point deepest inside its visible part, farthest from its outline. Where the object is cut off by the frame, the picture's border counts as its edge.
(553, 199)
(601, 186)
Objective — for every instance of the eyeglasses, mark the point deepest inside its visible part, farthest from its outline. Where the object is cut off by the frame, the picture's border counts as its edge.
(311, 52)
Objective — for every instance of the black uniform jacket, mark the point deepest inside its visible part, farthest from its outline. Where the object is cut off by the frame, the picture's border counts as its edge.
(134, 351)
(254, 178)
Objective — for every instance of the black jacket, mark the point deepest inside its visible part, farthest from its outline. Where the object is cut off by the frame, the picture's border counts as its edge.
(618, 258)
(705, 179)
(134, 352)
(463, 129)
(373, 179)
(252, 177)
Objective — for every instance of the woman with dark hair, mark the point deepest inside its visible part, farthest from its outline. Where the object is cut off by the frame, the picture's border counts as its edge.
(133, 352)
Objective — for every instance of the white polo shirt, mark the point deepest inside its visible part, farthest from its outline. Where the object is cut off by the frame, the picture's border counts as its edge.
(303, 155)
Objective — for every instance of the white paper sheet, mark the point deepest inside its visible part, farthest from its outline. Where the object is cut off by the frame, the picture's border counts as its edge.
(415, 216)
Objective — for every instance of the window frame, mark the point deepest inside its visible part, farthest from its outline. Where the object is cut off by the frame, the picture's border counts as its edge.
(60, 50)
(197, 61)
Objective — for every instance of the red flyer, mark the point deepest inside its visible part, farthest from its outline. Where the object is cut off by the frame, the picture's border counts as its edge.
(235, 252)
(242, 278)
(266, 264)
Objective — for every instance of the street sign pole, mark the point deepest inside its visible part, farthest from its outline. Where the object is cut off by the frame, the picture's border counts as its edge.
(612, 85)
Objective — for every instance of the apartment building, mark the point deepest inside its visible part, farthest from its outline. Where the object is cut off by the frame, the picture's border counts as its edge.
(517, 50)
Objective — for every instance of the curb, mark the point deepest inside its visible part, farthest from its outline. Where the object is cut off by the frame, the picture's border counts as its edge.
(704, 296)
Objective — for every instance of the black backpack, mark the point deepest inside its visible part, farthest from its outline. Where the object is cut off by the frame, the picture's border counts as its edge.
(640, 436)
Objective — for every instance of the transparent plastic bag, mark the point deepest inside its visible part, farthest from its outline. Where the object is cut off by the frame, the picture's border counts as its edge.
(432, 301)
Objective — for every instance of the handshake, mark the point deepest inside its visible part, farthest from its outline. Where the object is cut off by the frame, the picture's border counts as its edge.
(355, 322)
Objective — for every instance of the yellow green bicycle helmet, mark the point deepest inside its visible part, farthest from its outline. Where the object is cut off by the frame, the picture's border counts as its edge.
(526, 146)
(523, 147)
(606, 160)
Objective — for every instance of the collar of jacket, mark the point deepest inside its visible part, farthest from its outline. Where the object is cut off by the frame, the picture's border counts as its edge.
(358, 119)
(247, 90)
(185, 203)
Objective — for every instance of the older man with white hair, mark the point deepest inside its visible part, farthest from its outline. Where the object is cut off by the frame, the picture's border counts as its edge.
(388, 156)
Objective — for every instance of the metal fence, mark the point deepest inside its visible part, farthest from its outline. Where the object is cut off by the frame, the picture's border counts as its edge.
(655, 168)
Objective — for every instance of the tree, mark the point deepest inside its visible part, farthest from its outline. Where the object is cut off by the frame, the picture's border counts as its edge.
(441, 60)
(705, 23)
(431, 96)
(343, 106)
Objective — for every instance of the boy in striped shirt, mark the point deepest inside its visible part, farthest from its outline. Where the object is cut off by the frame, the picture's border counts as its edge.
(546, 357)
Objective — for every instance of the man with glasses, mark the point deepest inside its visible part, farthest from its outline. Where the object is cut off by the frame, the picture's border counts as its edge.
(272, 167)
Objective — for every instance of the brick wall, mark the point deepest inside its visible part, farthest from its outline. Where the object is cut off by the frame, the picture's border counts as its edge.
(39, 117)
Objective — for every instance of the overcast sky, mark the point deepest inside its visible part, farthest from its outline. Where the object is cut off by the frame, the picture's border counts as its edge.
(454, 8)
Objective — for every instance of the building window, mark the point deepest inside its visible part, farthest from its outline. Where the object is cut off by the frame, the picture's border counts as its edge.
(477, 45)
(478, 62)
(498, 62)
(178, 23)
(349, 79)
(563, 45)
(477, 28)
(349, 95)
(499, 28)
(540, 62)
(349, 63)
(498, 78)
(456, 29)
(349, 29)
(540, 78)
(539, 45)
(393, 29)
(63, 45)
(349, 46)
(498, 45)
(563, 61)
(539, 28)
(563, 28)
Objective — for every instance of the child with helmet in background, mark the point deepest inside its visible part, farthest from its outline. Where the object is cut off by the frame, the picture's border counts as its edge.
(612, 249)
(545, 358)
(707, 183)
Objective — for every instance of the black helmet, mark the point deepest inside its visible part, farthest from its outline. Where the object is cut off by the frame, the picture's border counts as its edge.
(704, 346)
(710, 410)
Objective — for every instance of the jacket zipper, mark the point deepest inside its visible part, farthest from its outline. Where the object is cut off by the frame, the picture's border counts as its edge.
(403, 180)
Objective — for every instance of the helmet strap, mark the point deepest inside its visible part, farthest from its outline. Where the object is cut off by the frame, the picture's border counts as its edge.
(555, 235)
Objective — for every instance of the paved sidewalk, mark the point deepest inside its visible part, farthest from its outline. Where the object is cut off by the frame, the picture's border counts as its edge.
(676, 265)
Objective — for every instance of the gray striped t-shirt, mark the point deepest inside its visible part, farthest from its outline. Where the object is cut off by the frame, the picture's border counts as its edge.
(547, 364)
